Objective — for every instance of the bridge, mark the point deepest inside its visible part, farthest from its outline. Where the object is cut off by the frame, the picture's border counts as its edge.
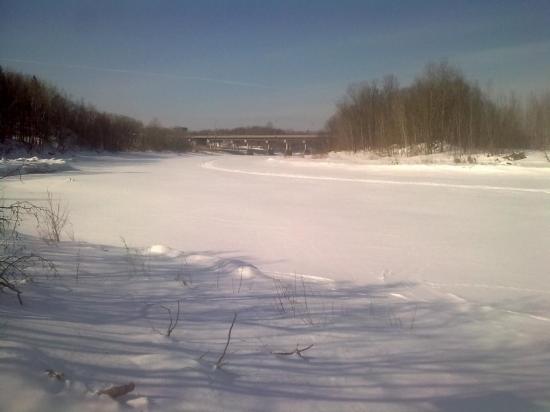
(262, 144)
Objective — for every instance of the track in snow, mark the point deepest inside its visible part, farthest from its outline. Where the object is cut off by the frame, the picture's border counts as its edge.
(210, 165)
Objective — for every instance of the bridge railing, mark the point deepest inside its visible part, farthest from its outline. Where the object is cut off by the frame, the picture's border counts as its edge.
(266, 144)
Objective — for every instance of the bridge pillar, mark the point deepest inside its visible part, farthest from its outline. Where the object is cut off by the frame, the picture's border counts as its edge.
(248, 150)
(288, 148)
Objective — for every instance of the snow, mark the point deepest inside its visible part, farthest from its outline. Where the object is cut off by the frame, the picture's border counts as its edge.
(533, 159)
(22, 166)
(421, 287)
(161, 250)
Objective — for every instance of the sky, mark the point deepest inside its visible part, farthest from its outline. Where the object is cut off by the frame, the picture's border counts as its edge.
(211, 64)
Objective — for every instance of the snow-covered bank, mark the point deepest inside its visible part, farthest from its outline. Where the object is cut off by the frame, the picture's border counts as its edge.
(426, 294)
(475, 162)
(381, 347)
(23, 166)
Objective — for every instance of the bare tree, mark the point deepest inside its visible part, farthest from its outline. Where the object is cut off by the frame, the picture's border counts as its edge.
(439, 107)
(34, 113)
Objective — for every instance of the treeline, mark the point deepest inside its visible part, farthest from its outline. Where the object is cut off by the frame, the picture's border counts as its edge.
(439, 107)
(36, 114)
(247, 130)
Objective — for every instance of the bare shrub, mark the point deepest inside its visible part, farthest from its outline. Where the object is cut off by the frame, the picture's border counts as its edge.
(173, 319)
(293, 299)
(284, 297)
(52, 219)
(12, 215)
(16, 262)
(135, 259)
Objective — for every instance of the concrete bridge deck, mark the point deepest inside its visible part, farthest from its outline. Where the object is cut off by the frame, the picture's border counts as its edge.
(285, 143)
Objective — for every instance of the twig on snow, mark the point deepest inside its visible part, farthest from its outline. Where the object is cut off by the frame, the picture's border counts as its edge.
(296, 351)
(173, 322)
(60, 376)
(220, 359)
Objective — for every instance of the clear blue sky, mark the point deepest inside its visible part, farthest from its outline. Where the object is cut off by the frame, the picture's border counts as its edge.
(226, 63)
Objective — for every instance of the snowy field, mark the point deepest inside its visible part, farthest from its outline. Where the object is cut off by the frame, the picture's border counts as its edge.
(419, 287)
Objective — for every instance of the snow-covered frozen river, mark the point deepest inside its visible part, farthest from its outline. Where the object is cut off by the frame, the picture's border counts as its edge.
(452, 226)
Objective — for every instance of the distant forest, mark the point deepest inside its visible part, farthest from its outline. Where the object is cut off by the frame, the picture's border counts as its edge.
(36, 113)
(249, 130)
(439, 107)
